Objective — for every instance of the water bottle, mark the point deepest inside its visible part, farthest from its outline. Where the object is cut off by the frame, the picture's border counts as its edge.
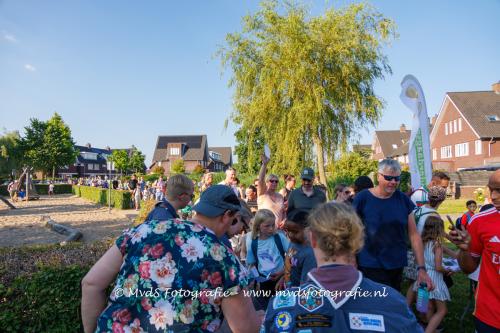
(422, 298)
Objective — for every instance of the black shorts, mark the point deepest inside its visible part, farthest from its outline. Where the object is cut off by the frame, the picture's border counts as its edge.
(389, 277)
(481, 327)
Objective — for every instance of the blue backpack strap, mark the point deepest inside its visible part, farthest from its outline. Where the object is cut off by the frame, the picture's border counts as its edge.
(279, 244)
(255, 244)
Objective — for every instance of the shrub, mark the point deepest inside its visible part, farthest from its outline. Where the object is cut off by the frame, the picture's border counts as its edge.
(158, 170)
(31, 302)
(43, 189)
(119, 199)
(178, 166)
(152, 177)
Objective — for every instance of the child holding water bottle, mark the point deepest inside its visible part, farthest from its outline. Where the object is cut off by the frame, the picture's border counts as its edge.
(432, 237)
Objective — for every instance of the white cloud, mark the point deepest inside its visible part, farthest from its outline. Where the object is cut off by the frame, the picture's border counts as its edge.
(30, 68)
(9, 37)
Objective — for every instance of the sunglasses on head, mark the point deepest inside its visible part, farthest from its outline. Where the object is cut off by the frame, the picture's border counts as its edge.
(389, 178)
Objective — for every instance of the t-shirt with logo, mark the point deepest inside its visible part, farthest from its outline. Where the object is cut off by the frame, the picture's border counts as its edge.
(270, 260)
(484, 229)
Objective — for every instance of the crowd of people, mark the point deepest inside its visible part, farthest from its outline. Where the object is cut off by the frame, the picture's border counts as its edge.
(331, 257)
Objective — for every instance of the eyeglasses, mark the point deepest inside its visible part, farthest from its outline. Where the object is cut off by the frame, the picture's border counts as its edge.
(274, 181)
(389, 178)
(347, 192)
(306, 180)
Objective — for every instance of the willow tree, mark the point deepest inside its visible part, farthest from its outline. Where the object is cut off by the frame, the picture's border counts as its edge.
(307, 82)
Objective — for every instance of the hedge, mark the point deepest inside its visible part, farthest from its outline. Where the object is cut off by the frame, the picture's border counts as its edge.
(43, 189)
(119, 199)
(40, 286)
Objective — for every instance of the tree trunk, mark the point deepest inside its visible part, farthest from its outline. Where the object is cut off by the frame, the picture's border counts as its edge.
(321, 161)
(53, 172)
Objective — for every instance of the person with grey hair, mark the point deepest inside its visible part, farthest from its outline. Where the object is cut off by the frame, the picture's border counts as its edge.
(180, 191)
(230, 181)
(387, 214)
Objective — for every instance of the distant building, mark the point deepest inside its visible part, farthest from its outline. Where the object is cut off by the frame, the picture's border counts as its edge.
(467, 130)
(391, 144)
(91, 162)
(194, 150)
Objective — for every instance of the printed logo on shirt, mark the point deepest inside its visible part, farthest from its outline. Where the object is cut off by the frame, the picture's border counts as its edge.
(304, 331)
(495, 239)
(284, 301)
(283, 320)
(366, 322)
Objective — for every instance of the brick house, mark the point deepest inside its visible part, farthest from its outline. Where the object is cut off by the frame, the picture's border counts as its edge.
(90, 162)
(467, 130)
(391, 144)
(193, 149)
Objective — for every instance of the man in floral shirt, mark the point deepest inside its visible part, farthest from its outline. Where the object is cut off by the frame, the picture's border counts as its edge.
(173, 276)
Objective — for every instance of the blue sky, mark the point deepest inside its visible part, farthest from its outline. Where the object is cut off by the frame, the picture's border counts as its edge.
(123, 72)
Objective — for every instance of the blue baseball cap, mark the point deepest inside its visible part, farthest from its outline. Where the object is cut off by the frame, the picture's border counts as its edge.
(217, 199)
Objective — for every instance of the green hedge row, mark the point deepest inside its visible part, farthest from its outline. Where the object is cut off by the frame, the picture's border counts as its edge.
(119, 199)
(43, 189)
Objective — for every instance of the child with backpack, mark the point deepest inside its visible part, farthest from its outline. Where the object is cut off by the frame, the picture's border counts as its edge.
(266, 250)
(299, 258)
(432, 238)
(464, 219)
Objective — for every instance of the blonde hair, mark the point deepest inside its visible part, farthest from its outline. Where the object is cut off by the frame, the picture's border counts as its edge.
(262, 215)
(337, 228)
(433, 230)
(272, 176)
(177, 185)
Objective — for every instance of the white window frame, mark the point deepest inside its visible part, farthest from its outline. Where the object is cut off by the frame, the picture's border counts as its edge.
(446, 152)
(90, 166)
(445, 128)
(462, 149)
(455, 126)
(434, 154)
(460, 124)
(175, 151)
(97, 167)
(478, 145)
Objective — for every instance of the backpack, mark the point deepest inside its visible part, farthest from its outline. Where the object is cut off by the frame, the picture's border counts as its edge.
(255, 244)
(458, 222)
(418, 214)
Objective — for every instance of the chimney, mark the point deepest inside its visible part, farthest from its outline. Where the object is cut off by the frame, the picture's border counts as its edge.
(88, 145)
(433, 120)
(496, 87)
(402, 128)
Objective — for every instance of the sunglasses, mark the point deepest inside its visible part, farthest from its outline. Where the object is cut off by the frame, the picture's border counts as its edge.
(389, 178)
(347, 192)
(274, 181)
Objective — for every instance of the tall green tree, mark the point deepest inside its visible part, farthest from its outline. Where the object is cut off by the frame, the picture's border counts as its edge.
(248, 152)
(48, 145)
(352, 165)
(9, 153)
(307, 82)
(136, 163)
(32, 145)
(121, 159)
(59, 144)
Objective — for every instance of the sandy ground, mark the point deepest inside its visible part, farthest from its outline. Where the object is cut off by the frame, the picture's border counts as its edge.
(23, 225)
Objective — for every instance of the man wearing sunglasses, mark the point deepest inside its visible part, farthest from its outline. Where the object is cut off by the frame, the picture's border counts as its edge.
(387, 214)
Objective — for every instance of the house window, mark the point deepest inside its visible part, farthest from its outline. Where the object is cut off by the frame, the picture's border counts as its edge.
(460, 124)
(90, 166)
(446, 152)
(462, 149)
(434, 154)
(96, 166)
(174, 151)
(450, 126)
(493, 118)
(479, 147)
(455, 126)
(159, 163)
(446, 129)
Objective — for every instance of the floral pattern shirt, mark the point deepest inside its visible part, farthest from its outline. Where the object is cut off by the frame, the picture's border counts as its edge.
(172, 279)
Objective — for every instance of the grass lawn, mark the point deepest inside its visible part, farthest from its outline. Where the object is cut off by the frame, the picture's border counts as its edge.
(453, 207)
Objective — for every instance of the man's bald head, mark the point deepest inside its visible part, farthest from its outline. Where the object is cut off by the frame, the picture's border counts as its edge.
(494, 186)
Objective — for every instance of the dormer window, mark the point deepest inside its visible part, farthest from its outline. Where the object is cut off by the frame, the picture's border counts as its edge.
(175, 151)
(492, 118)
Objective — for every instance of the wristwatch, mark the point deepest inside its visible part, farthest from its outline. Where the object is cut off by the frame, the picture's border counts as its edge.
(421, 267)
